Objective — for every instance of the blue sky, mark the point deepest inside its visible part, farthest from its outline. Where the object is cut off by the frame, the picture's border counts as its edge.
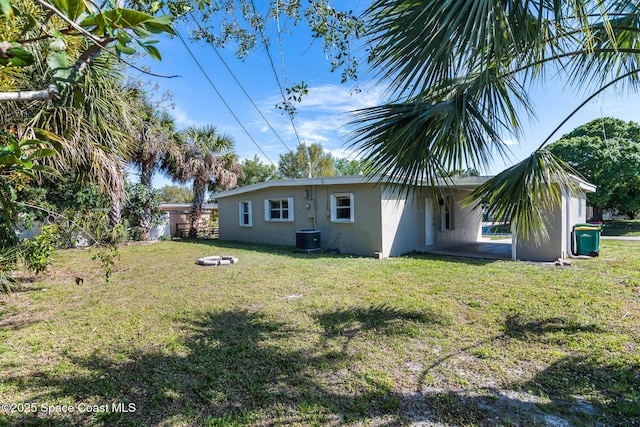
(323, 113)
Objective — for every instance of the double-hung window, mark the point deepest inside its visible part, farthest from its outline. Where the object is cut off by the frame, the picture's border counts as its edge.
(278, 209)
(342, 207)
(246, 214)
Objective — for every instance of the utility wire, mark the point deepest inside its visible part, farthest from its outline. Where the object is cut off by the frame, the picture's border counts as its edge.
(241, 86)
(221, 97)
(275, 73)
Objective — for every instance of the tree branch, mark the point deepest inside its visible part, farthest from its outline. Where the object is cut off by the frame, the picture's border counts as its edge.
(90, 36)
(50, 92)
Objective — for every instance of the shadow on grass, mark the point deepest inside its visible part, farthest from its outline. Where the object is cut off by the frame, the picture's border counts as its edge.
(266, 248)
(383, 319)
(575, 390)
(241, 368)
(452, 258)
(235, 367)
(518, 327)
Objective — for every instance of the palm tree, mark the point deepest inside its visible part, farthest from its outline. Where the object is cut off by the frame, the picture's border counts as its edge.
(97, 119)
(459, 73)
(207, 158)
(156, 138)
(91, 126)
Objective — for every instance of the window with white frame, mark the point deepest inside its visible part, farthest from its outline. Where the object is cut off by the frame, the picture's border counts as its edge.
(447, 220)
(278, 209)
(246, 214)
(342, 207)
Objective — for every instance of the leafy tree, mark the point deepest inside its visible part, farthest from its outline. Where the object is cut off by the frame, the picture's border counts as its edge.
(79, 209)
(207, 158)
(72, 48)
(255, 171)
(65, 55)
(37, 252)
(606, 152)
(175, 194)
(307, 161)
(346, 167)
(459, 75)
(66, 36)
(142, 211)
(246, 25)
(18, 166)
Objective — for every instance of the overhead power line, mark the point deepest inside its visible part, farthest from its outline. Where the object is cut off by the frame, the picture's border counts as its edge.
(221, 97)
(273, 68)
(193, 18)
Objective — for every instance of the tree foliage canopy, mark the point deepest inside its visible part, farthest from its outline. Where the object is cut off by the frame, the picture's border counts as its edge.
(256, 171)
(175, 194)
(606, 152)
(307, 160)
(67, 35)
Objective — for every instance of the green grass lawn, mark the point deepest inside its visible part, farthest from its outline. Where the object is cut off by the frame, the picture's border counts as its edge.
(621, 228)
(294, 339)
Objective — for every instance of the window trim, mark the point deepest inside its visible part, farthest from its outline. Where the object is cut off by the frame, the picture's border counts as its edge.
(267, 209)
(335, 207)
(448, 214)
(241, 205)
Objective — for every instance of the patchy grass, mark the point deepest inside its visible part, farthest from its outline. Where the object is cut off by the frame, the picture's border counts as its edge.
(294, 339)
(621, 228)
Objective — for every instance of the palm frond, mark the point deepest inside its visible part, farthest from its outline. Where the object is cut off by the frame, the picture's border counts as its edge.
(418, 44)
(612, 50)
(526, 193)
(457, 126)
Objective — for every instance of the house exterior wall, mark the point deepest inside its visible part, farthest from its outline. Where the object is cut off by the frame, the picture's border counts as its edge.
(559, 223)
(384, 222)
(528, 250)
(362, 236)
(467, 222)
(402, 222)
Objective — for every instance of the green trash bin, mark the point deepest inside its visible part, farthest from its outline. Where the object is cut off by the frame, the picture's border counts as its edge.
(587, 239)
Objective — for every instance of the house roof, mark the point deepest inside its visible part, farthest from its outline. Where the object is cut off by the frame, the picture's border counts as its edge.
(460, 182)
(584, 185)
(186, 206)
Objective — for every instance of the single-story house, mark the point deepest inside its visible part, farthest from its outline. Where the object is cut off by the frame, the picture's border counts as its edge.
(356, 215)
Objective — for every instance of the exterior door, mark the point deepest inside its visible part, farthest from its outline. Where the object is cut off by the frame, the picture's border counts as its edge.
(429, 222)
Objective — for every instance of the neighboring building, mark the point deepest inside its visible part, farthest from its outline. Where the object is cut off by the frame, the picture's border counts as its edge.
(178, 218)
(358, 216)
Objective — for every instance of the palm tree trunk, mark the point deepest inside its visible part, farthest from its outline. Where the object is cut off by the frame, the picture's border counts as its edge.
(145, 223)
(115, 215)
(146, 177)
(199, 188)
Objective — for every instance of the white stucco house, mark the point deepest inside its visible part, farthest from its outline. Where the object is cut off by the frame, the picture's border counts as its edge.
(357, 215)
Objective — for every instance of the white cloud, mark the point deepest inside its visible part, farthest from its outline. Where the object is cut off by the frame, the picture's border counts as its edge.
(344, 153)
(181, 117)
(321, 117)
(338, 99)
(507, 141)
